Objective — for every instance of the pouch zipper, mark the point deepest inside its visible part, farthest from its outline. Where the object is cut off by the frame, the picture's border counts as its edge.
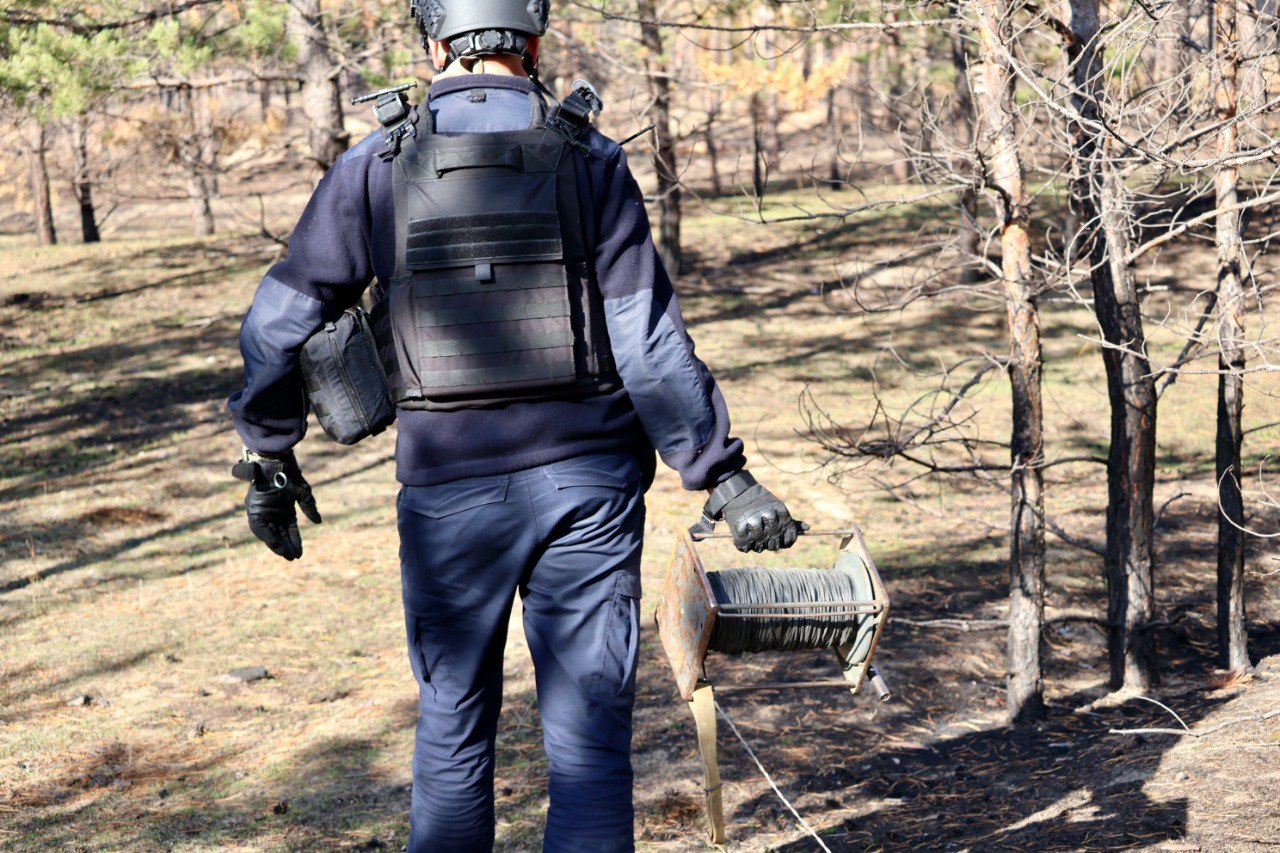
(346, 378)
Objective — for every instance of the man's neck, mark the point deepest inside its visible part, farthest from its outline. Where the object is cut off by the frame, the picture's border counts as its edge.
(501, 65)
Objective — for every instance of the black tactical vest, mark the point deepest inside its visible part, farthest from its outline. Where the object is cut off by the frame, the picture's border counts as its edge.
(494, 297)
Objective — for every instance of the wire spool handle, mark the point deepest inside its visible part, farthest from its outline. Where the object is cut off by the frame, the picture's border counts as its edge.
(705, 529)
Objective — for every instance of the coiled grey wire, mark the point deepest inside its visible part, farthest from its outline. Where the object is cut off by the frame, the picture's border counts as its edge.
(733, 636)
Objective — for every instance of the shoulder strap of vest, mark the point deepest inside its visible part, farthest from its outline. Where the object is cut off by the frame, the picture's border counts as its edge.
(537, 111)
(426, 118)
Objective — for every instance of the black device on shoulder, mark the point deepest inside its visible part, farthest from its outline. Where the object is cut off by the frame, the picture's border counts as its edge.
(395, 116)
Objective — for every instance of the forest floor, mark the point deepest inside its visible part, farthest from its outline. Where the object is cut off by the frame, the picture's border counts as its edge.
(130, 586)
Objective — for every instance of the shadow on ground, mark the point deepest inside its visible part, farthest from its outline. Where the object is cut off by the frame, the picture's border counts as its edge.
(935, 769)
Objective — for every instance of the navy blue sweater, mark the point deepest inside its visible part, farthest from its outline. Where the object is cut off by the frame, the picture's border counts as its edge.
(346, 238)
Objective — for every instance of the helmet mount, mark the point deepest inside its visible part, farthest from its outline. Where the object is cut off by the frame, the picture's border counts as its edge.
(481, 27)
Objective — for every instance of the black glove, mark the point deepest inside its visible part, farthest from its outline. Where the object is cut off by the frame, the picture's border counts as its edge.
(759, 521)
(275, 486)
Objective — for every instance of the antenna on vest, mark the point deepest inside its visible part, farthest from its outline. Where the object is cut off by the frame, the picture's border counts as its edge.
(633, 137)
(394, 90)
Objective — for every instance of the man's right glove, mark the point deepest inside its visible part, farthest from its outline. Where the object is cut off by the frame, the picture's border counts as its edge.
(756, 518)
(276, 485)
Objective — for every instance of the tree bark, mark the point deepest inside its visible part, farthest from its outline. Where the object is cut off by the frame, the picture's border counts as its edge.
(206, 138)
(202, 222)
(901, 166)
(773, 126)
(264, 101)
(860, 101)
(764, 15)
(759, 165)
(962, 130)
(321, 92)
(664, 158)
(713, 150)
(38, 176)
(835, 124)
(1099, 196)
(191, 149)
(1233, 642)
(1170, 49)
(1262, 41)
(81, 182)
(1024, 696)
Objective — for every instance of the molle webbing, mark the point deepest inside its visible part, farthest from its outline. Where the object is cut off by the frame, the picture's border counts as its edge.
(493, 299)
(458, 240)
(471, 336)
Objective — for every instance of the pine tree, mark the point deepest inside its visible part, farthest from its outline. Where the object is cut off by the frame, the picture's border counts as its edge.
(56, 73)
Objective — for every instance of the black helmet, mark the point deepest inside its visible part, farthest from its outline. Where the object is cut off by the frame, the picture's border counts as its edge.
(490, 26)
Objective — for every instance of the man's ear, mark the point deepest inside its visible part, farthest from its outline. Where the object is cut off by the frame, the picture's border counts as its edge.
(532, 49)
(439, 53)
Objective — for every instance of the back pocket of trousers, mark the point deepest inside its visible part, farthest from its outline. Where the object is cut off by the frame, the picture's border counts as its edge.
(621, 638)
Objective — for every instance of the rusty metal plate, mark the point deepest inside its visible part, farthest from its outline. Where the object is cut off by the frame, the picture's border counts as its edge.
(855, 560)
(686, 615)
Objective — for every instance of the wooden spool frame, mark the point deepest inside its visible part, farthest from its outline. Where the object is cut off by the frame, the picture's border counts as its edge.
(687, 613)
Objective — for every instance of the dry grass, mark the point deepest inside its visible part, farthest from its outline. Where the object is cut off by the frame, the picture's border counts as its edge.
(126, 574)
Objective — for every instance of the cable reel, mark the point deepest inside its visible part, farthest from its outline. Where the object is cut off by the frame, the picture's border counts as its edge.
(747, 610)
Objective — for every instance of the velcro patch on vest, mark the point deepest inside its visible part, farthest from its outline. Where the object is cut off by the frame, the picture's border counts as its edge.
(484, 238)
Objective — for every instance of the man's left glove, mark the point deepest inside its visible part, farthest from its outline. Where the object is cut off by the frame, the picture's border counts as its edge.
(276, 485)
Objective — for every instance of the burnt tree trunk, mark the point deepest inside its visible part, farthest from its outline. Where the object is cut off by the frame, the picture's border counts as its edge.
(962, 129)
(1170, 58)
(773, 126)
(835, 124)
(925, 126)
(713, 150)
(1233, 642)
(764, 16)
(321, 93)
(1024, 696)
(264, 101)
(202, 222)
(190, 150)
(81, 182)
(860, 101)
(664, 157)
(1263, 41)
(38, 178)
(894, 77)
(759, 166)
(207, 143)
(1099, 194)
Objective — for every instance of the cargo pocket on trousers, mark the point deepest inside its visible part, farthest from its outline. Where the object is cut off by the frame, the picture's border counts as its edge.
(418, 658)
(621, 637)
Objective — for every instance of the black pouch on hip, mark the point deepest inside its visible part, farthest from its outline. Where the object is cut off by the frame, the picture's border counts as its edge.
(345, 381)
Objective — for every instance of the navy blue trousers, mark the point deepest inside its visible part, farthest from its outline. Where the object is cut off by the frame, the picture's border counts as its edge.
(567, 537)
